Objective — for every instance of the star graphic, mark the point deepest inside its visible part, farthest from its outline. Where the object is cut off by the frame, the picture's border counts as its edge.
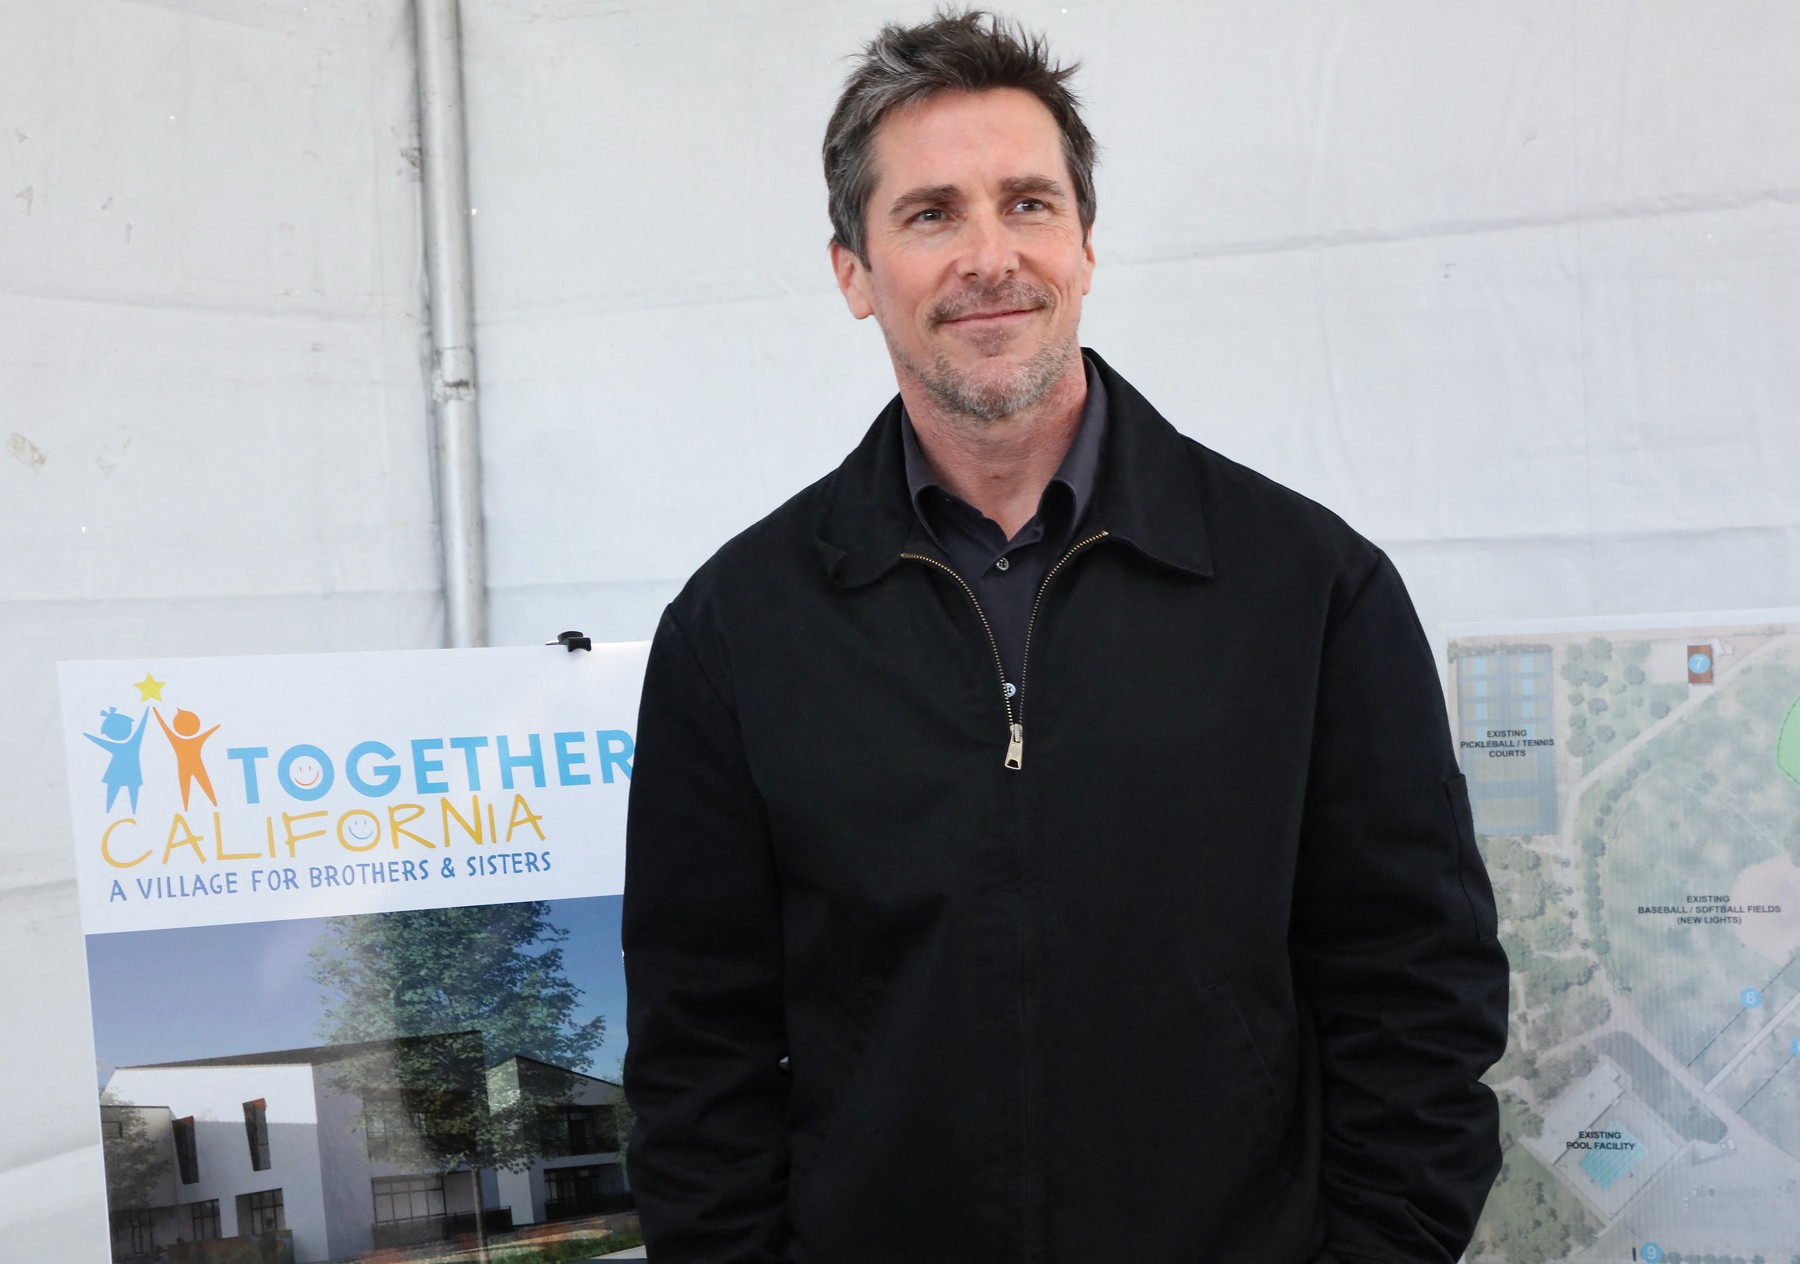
(149, 687)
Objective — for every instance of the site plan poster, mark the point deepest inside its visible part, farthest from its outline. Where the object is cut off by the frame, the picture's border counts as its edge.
(1636, 790)
(352, 926)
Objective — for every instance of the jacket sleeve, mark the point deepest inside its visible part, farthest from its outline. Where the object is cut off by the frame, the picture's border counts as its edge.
(1394, 946)
(702, 938)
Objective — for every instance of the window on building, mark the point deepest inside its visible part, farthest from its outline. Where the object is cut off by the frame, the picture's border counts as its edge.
(260, 1212)
(407, 1197)
(142, 1225)
(203, 1220)
(584, 1190)
(256, 1129)
(581, 1130)
(570, 1191)
(187, 1155)
(392, 1134)
(112, 1126)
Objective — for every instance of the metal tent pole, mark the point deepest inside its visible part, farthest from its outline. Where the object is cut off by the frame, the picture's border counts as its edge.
(444, 164)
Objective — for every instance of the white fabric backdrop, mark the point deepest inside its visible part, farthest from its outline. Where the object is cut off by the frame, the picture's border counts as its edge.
(1514, 286)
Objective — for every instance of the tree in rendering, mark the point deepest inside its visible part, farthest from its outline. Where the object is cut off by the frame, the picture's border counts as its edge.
(492, 968)
(427, 1001)
(137, 1168)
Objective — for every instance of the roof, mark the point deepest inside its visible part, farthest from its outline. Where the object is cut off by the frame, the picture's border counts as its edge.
(520, 1057)
(312, 1055)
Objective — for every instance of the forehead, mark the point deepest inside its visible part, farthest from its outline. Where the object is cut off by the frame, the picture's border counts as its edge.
(964, 137)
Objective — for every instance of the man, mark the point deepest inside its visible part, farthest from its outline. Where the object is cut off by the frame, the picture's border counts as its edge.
(1045, 840)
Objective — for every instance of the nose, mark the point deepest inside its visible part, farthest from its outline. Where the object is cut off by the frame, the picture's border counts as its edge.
(989, 254)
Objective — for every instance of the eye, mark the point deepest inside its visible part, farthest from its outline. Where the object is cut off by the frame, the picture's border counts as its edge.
(1029, 204)
(931, 215)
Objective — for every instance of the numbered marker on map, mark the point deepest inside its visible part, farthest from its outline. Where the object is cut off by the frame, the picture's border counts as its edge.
(1651, 1252)
(1750, 997)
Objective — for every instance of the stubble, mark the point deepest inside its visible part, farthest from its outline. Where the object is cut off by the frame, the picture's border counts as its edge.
(985, 399)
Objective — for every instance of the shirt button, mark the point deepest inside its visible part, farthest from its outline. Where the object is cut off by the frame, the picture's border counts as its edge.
(1002, 565)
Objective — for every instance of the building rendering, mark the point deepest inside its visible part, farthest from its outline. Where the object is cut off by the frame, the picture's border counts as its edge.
(334, 1151)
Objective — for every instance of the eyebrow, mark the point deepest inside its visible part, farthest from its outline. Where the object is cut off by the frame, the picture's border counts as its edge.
(1013, 186)
(924, 195)
(1019, 186)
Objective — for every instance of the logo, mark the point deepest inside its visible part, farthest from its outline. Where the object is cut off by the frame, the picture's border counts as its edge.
(201, 797)
(122, 739)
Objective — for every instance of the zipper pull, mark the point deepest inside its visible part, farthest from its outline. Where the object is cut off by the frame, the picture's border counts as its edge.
(1015, 747)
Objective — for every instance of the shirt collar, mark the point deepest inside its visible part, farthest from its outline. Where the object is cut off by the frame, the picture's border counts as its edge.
(1078, 472)
(1152, 492)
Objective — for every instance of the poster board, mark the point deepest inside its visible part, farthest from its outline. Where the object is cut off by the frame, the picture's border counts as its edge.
(1636, 791)
(352, 935)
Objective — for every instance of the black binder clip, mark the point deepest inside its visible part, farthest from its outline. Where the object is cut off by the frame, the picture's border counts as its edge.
(573, 641)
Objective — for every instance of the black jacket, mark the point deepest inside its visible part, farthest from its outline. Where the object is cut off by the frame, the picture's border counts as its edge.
(1210, 977)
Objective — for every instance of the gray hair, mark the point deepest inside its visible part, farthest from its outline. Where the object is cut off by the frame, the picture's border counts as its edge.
(972, 51)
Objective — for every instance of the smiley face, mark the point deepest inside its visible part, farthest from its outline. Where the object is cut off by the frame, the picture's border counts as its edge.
(305, 772)
(359, 829)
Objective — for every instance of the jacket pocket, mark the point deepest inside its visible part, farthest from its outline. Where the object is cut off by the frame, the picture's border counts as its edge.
(1230, 1033)
(1193, 1076)
(829, 1102)
(1189, 1127)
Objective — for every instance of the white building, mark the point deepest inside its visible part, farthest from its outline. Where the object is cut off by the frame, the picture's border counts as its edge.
(578, 1173)
(321, 1144)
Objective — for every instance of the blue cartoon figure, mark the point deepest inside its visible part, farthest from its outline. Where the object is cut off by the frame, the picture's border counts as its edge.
(125, 772)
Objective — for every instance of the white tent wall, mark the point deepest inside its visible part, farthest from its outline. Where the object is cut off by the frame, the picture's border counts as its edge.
(1513, 286)
(215, 426)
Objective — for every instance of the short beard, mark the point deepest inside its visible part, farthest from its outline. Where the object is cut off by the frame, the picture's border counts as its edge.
(987, 402)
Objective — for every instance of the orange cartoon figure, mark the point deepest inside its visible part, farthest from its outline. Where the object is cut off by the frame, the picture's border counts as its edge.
(186, 738)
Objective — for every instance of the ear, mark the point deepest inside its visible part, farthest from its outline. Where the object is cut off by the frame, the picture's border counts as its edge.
(1087, 276)
(853, 281)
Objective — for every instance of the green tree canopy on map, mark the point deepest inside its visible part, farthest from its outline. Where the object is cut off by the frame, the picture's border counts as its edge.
(1529, 1216)
(1787, 744)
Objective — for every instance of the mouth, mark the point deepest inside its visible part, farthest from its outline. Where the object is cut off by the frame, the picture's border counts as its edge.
(993, 319)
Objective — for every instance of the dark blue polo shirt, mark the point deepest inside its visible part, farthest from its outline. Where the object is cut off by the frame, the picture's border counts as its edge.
(1006, 574)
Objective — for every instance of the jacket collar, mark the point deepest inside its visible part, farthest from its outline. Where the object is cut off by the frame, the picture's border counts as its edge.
(1147, 496)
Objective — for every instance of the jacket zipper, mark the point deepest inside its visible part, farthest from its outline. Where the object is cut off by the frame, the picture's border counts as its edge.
(1015, 758)
(1017, 734)
(1015, 727)
(1031, 624)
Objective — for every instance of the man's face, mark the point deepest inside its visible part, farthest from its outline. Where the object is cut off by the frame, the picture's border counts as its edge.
(977, 266)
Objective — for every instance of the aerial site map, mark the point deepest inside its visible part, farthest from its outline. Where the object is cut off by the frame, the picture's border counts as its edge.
(1637, 797)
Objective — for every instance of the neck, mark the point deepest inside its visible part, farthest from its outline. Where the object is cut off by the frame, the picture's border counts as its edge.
(1002, 466)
